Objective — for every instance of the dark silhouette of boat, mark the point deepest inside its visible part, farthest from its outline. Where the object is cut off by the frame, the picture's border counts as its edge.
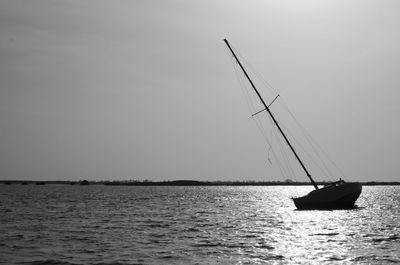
(336, 195)
(84, 183)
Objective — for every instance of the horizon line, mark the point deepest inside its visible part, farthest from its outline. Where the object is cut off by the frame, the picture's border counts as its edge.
(189, 182)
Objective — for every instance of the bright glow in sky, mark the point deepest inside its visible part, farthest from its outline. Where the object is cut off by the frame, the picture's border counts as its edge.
(146, 89)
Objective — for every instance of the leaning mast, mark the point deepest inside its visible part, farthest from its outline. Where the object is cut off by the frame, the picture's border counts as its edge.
(272, 116)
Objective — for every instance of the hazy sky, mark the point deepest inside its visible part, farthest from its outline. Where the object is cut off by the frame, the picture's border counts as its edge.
(147, 89)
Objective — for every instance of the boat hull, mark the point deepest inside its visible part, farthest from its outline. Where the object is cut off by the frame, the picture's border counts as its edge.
(341, 196)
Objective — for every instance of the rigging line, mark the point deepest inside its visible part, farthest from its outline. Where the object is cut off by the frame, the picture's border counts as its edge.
(258, 123)
(305, 150)
(281, 167)
(284, 154)
(307, 135)
(270, 131)
(267, 85)
(313, 156)
(332, 162)
(269, 156)
(325, 171)
(313, 143)
(288, 168)
(282, 160)
(315, 150)
(242, 86)
(249, 102)
(262, 130)
(246, 89)
(263, 133)
(284, 167)
(271, 92)
(248, 64)
(246, 94)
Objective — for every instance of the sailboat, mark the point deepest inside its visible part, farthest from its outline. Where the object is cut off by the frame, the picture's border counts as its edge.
(335, 195)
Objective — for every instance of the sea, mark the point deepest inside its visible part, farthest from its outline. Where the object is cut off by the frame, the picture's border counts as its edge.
(96, 224)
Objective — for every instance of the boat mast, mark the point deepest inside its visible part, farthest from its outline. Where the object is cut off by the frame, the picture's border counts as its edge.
(272, 116)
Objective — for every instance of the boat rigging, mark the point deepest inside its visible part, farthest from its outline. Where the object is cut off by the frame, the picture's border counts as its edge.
(338, 194)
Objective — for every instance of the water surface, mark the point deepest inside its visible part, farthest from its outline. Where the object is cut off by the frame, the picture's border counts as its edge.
(62, 224)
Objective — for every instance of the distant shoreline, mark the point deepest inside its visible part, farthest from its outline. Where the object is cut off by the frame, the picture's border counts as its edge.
(185, 183)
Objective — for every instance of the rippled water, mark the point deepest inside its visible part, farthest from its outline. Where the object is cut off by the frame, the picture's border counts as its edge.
(62, 224)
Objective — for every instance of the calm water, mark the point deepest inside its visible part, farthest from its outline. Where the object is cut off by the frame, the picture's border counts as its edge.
(62, 224)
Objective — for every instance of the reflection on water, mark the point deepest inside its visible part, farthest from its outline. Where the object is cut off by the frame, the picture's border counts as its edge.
(55, 224)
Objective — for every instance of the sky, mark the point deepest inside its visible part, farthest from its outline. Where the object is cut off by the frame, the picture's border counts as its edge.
(146, 89)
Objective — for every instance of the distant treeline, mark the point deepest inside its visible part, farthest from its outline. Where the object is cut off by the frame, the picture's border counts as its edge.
(184, 183)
